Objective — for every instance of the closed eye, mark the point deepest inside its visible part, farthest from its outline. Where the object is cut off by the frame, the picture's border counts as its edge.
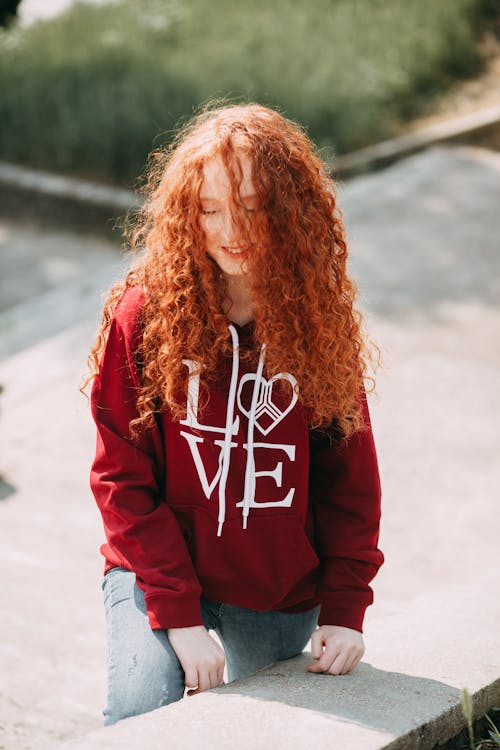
(250, 208)
(208, 212)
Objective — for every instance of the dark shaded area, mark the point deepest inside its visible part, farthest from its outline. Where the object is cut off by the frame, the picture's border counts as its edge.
(381, 689)
(482, 738)
(65, 212)
(6, 489)
(8, 11)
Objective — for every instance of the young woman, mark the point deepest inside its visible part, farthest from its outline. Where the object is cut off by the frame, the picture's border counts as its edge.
(235, 467)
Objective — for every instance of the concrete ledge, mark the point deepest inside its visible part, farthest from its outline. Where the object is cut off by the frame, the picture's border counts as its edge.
(284, 706)
(67, 202)
(479, 128)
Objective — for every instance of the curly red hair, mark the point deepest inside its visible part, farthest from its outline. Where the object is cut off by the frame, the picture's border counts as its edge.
(303, 298)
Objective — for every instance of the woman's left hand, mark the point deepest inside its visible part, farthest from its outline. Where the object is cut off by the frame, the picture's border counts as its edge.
(343, 649)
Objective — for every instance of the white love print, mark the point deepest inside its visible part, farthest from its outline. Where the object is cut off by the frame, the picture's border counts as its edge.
(265, 403)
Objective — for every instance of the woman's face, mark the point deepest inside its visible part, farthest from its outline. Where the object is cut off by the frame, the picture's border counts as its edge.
(224, 240)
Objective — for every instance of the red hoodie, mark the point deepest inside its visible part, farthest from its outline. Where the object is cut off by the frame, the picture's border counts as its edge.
(244, 505)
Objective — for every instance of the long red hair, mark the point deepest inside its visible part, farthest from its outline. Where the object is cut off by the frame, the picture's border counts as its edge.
(303, 298)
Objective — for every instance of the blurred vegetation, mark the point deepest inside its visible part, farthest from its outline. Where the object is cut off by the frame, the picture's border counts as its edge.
(93, 90)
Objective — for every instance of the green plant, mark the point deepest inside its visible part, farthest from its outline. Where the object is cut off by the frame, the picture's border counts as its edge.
(94, 89)
(494, 733)
(494, 741)
(468, 712)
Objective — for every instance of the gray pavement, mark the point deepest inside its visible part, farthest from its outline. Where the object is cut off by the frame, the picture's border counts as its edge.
(424, 249)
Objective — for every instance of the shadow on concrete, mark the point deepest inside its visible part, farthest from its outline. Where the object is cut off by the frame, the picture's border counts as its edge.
(368, 697)
(6, 489)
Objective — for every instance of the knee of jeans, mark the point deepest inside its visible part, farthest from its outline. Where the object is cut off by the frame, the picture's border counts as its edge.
(295, 647)
(141, 689)
(135, 703)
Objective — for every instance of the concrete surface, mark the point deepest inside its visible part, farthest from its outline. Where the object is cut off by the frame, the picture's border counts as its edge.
(424, 249)
(48, 282)
(65, 202)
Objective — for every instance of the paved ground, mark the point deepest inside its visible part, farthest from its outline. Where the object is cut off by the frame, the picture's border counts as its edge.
(424, 243)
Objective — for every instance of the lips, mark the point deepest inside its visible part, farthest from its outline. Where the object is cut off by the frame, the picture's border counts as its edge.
(233, 251)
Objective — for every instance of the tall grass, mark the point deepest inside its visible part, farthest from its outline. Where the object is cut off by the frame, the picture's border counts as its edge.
(91, 91)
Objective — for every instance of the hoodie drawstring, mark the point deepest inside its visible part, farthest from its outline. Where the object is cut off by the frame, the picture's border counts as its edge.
(249, 487)
(249, 470)
(226, 451)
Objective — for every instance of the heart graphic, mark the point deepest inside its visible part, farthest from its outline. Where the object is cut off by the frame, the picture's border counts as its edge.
(265, 404)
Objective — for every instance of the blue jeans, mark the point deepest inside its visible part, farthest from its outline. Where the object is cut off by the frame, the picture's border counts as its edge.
(143, 670)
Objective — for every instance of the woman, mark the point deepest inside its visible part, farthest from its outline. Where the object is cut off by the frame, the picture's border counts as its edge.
(235, 467)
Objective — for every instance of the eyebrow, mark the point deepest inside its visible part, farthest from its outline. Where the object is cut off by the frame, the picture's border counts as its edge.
(215, 200)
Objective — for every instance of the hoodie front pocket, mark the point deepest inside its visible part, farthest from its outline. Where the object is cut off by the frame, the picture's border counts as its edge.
(270, 561)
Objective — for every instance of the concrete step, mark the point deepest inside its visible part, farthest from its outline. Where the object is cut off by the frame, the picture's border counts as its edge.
(283, 707)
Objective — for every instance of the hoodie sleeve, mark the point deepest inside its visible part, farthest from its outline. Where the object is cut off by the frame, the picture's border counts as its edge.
(127, 479)
(345, 494)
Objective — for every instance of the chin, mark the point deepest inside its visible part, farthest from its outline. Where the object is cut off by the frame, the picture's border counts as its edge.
(233, 267)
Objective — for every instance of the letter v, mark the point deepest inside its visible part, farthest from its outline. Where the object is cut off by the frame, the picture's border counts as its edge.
(193, 441)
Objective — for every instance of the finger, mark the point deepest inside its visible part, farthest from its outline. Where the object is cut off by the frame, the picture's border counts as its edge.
(204, 680)
(214, 677)
(330, 653)
(337, 665)
(191, 677)
(324, 662)
(314, 668)
(316, 644)
(355, 661)
(349, 665)
(217, 670)
(355, 655)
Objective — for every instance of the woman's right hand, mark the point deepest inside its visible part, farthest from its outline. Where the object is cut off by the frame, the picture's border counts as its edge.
(201, 658)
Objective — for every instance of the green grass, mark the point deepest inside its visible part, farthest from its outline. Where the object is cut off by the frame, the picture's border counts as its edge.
(492, 742)
(93, 90)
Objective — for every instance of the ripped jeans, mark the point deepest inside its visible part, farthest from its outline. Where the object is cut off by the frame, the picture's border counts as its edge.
(143, 670)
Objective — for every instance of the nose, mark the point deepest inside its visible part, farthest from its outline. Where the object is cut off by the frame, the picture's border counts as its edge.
(230, 230)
